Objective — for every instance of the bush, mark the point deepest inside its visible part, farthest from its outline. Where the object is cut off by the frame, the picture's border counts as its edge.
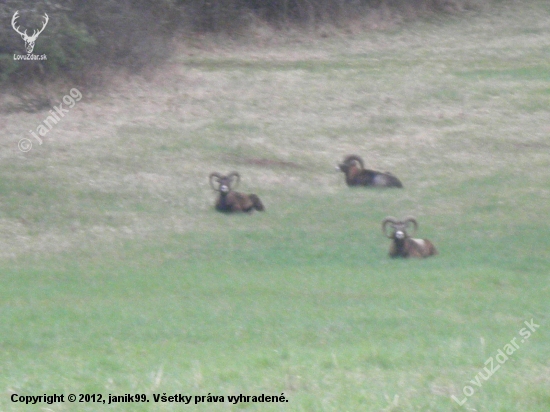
(81, 35)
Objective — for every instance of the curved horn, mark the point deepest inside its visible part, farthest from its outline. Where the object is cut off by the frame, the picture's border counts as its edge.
(412, 220)
(216, 175)
(230, 177)
(389, 219)
(354, 158)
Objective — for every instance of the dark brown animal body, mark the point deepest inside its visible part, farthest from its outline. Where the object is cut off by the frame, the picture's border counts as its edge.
(231, 201)
(403, 245)
(356, 174)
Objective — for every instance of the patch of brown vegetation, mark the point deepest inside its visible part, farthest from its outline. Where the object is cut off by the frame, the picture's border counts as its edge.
(531, 145)
(264, 162)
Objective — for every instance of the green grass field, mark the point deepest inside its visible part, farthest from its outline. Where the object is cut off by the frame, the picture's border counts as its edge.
(118, 277)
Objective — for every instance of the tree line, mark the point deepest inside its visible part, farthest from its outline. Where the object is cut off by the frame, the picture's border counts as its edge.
(83, 35)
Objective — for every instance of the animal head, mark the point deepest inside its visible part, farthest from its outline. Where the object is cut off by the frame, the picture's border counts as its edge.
(224, 183)
(349, 162)
(399, 227)
(29, 40)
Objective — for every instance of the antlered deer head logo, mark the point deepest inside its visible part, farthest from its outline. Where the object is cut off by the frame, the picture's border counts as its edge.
(29, 40)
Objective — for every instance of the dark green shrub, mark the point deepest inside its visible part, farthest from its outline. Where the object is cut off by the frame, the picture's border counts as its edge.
(86, 34)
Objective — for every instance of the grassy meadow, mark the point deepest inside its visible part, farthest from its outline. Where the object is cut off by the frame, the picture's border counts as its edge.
(118, 277)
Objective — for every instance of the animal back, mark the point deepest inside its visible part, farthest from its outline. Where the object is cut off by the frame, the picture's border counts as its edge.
(386, 180)
(258, 205)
